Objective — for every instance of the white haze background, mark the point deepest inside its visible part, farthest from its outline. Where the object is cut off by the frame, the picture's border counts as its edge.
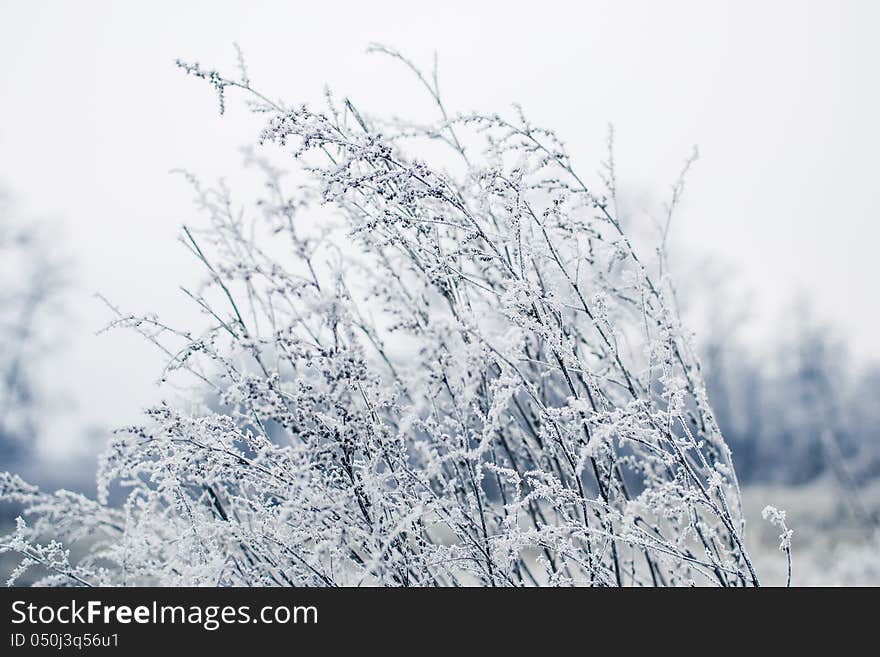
(781, 97)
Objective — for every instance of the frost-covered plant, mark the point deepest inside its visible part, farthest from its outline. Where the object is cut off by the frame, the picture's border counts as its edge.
(436, 360)
(777, 518)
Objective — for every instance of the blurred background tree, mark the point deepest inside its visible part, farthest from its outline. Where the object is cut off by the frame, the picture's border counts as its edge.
(32, 281)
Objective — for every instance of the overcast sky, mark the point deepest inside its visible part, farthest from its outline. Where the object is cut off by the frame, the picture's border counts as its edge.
(781, 97)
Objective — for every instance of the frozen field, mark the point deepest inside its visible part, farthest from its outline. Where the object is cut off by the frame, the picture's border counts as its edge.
(831, 546)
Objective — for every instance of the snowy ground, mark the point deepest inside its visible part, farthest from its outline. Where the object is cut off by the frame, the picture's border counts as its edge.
(830, 546)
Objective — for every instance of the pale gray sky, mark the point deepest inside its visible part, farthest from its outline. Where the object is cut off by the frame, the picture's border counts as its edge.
(781, 97)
